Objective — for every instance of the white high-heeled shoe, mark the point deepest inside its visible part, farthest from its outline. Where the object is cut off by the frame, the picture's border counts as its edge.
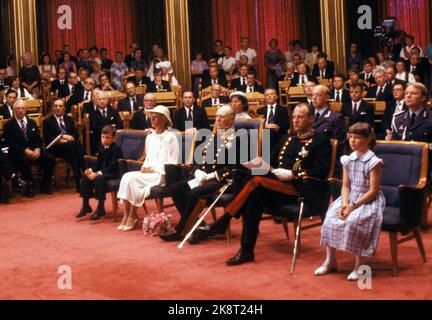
(325, 269)
(354, 275)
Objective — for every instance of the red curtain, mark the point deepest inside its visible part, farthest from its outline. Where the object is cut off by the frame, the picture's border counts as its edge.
(260, 20)
(104, 23)
(414, 18)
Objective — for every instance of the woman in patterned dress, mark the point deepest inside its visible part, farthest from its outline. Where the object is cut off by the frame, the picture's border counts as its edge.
(353, 221)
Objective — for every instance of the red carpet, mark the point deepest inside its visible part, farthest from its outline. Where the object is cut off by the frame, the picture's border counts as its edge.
(37, 236)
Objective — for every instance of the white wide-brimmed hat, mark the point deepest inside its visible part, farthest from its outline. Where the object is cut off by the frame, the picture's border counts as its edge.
(164, 64)
(238, 93)
(161, 110)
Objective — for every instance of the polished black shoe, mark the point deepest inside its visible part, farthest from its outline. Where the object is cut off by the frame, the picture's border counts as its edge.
(171, 236)
(83, 212)
(201, 234)
(241, 257)
(97, 215)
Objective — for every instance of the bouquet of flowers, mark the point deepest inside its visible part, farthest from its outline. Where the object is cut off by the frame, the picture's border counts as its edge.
(156, 223)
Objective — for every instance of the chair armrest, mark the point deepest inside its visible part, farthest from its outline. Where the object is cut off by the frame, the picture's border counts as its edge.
(412, 204)
(90, 161)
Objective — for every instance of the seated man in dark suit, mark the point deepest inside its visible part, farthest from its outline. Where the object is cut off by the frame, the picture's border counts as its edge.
(81, 95)
(25, 148)
(338, 93)
(158, 85)
(59, 82)
(214, 77)
(415, 123)
(390, 74)
(197, 117)
(68, 147)
(382, 91)
(139, 78)
(140, 120)
(7, 172)
(276, 117)
(322, 69)
(90, 106)
(68, 89)
(241, 80)
(3, 80)
(251, 84)
(6, 110)
(216, 98)
(213, 63)
(395, 107)
(104, 115)
(327, 122)
(94, 182)
(358, 110)
(418, 67)
(367, 74)
(132, 102)
(301, 77)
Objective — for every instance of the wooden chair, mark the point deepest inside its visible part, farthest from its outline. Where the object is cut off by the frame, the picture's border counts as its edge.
(1, 125)
(284, 87)
(141, 90)
(34, 106)
(336, 106)
(168, 99)
(296, 93)
(325, 82)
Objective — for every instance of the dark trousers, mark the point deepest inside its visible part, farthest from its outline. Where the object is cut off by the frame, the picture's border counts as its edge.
(73, 153)
(46, 162)
(185, 198)
(93, 189)
(260, 199)
(5, 167)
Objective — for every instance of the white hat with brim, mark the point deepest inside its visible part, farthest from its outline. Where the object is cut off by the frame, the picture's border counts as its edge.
(238, 93)
(164, 64)
(161, 110)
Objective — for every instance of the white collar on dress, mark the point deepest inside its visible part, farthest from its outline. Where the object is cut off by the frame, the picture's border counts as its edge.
(366, 157)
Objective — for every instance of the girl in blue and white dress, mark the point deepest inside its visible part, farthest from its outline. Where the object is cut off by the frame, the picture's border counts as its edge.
(353, 221)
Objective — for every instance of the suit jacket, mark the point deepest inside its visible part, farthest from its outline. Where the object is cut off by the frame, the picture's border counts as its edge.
(296, 79)
(76, 98)
(237, 83)
(209, 102)
(200, 119)
(422, 69)
(56, 85)
(388, 114)
(97, 121)
(108, 162)
(89, 107)
(329, 72)
(206, 82)
(17, 142)
(51, 129)
(6, 82)
(280, 118)
(371, 79)
(125, 104)
(4, 111)
(144, 80)
(152, 86)
(421, 131)
(256, 88)
(64, 90)
(365, 113)
(332, 125)
(387, 95)
(140, 121)
(345, 98)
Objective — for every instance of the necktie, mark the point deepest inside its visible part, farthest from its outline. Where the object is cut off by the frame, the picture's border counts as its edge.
(322, 73)
(215, 101)
(413, 68)
(317, 116)
(189, 117)
(23, 128)
(72, 90)
(243, 82)
(337, 96)
(355, 108)
(271, 114)
(62, 82)
(302, 80)
(86, 96)
(62, 126)
(380, 91)
(104, 113)
(133, 104)
(148, 120)
(413, 119)
(250, 89)
(214, 81)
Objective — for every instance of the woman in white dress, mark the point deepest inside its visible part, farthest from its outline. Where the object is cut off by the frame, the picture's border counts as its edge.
(240, 104)
(161, 148)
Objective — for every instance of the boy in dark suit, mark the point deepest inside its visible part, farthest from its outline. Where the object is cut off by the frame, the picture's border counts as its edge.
(95, 179)
(358, 110)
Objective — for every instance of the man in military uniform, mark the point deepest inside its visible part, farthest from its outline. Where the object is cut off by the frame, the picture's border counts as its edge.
(415, 123)
(210, 174)
(307, 153)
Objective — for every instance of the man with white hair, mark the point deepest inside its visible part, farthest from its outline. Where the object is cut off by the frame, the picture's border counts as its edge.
(25, 148)
(216, 97)
(211, 172)
(383, 91)
(104, 115)
(140, 120)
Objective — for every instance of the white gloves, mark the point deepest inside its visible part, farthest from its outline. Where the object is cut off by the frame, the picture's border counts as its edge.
(283, 174)
(201, 176)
